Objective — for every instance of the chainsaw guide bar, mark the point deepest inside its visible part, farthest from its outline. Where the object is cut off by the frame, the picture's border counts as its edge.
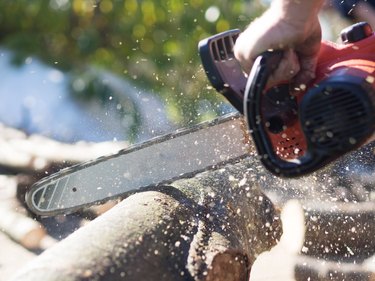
(183, 153)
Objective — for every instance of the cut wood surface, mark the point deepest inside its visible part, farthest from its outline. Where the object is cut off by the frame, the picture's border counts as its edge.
(210, 227)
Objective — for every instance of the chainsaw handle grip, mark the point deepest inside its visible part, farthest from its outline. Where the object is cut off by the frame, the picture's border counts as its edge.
(264, 65)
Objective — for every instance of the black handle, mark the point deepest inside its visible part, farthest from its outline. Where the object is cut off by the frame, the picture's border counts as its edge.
(262, 69)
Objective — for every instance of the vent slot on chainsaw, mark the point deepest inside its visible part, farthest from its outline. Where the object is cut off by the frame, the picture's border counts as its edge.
(222, 69)
(336, 119)
(222, 48)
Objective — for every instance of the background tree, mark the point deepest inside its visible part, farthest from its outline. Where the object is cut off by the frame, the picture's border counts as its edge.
(152, 42)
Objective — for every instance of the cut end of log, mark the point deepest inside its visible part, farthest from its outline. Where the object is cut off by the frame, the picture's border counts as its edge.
(229, 266)
(31, 239)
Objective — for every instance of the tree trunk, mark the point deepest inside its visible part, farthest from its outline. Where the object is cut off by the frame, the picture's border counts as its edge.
(210, 227)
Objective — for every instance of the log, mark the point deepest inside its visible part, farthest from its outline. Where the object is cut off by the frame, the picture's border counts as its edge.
(308, 268)
(12, 257)
(21, 152)
(14, 219)
(210, 227)
(337, 241)
(26, 231)
(339, 230)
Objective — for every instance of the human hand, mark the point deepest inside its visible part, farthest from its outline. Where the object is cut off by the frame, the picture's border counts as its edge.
(289, 26)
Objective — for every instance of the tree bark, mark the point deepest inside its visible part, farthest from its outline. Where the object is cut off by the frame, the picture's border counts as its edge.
(210, 227)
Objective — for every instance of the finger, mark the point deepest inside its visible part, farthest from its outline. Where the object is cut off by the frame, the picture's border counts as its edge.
(308, 55)
(242, 53)
(288, 68)
(306, 74)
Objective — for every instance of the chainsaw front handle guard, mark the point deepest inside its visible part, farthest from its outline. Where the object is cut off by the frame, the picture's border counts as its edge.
(262, 69)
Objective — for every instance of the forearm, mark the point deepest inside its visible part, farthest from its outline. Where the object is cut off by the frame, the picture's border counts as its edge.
(297, 10)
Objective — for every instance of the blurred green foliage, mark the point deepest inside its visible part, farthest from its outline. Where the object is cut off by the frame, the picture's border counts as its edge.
(152, 42)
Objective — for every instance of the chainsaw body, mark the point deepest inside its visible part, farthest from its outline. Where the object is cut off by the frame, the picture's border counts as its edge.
(298, 134)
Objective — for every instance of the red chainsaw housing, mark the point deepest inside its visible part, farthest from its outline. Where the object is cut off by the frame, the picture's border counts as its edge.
(349, 60)
(296, 134)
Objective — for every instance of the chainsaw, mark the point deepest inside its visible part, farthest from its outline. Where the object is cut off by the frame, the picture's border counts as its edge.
(297, 134)
(293, 135)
